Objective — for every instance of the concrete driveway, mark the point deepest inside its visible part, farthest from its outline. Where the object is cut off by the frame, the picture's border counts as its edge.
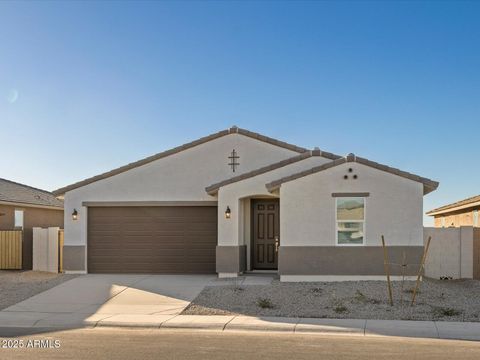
(91, 298)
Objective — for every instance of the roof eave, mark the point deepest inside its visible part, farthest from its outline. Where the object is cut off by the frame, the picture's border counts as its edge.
(440, 211)
(27, 204)
(427, 189)
(272, 188)
(212, 192)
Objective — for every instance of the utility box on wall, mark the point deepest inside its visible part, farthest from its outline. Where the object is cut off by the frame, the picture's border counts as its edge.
(45, 249)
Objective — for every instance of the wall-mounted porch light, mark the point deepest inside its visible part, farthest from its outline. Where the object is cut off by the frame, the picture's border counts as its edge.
(74, 214)
(228, 212)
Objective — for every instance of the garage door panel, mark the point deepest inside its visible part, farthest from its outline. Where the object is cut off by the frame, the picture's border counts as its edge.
(148, 260)
(164, 255)
(198, 266)
(197, 261)
(199, 240)
(152, 239)
(201, 228)
(202, 254)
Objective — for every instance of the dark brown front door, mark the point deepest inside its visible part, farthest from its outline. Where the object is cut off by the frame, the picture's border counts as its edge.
(266, 233)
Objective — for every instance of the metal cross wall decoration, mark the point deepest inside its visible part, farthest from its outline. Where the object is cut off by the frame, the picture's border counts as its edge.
(233, 160)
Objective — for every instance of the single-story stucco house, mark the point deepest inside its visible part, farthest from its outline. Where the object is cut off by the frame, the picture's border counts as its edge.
(239, 201)
(23, 207)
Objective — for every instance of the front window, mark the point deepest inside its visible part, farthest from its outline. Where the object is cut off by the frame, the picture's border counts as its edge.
(19, 219)
(350, 220)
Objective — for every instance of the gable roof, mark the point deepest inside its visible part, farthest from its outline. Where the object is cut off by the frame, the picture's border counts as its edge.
(462, 204)
(213, 189)
(14, 192)
(232, 130)
(428, 185)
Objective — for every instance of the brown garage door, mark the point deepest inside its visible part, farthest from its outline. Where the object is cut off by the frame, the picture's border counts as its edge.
(163, 239)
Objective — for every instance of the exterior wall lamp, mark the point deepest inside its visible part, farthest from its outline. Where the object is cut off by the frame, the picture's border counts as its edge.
(228, 213)
(74, 214)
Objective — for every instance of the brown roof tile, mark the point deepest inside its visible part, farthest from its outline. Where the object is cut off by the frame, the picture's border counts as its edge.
(14, 192)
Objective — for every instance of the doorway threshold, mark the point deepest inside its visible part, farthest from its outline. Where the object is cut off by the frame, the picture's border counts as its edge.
(261, 272)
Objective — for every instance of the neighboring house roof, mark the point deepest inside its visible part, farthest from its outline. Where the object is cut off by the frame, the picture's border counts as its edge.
(13, 192)
(428, 185)
(462, 204)
(213, 189)
(232, 130)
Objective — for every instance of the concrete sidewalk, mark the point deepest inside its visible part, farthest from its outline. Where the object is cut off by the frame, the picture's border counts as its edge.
(350, 327)
(155, 301)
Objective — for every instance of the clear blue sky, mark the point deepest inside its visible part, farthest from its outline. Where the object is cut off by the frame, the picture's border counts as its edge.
(87, 87)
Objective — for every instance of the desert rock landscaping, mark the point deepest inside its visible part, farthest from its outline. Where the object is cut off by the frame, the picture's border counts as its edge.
(16, 286)
(457, 300)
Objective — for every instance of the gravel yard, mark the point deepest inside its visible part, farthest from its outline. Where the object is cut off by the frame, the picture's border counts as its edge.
(457, 300)
(16, 286)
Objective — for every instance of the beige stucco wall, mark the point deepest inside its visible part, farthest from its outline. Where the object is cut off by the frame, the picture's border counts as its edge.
(45, 249)
(247, 227)
(180, 177)
(234, 231)
(393, 209)
(451, 252)
(476, 253)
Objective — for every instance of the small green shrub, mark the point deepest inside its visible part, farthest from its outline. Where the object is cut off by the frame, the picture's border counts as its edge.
(360, 297)
(340, 309)
(446, 312)
(265, 303)
(316, 290)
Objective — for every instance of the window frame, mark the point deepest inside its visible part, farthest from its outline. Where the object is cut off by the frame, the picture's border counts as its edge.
(364, 221)
(15, 219)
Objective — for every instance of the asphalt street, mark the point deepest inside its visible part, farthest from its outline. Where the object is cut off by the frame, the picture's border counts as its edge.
(110, 343)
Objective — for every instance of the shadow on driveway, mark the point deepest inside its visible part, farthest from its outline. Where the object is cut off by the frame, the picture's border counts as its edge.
(88, 299)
